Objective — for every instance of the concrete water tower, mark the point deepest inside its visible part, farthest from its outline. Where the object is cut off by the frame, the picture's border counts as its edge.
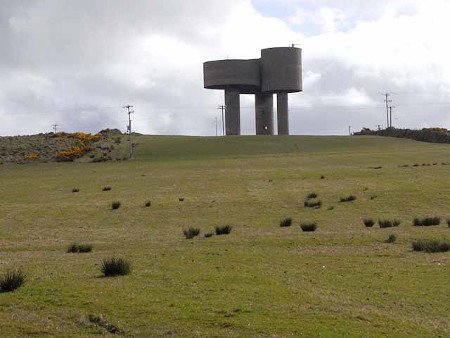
(278, 71)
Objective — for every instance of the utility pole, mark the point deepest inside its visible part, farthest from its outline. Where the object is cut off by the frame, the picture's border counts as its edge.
(350, 130)
(390, 115)
(129, 112)
(215, 120)
(223, 109)
(55, 126)
(387, 101)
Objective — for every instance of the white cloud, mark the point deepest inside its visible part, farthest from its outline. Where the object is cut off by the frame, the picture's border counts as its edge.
(77, 62)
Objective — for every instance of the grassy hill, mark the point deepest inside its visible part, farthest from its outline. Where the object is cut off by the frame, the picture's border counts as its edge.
(261, 280)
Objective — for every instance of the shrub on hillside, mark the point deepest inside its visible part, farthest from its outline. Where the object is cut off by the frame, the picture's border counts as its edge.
(148, 203)
(427, 221)
(368, 222)
(430, 246)
(208, 234)
(433, 135)
(386, 223)
(191, 233)
(107, 188)
(112, 267)
(308, 227)
(75, 190)
(224, 230)
(11, 280)
(287, 222)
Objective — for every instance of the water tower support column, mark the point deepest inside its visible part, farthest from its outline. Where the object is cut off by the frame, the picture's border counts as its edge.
(282, 114)
(233, 112)
(264, 114)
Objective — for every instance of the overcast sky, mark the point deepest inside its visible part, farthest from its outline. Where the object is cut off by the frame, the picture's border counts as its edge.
(77, 62)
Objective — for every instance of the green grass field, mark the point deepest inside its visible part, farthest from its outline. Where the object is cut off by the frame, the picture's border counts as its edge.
(261, 280)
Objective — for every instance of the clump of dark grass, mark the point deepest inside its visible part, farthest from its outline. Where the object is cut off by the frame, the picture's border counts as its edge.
(181, 199)
(347, 199)
(312, 204)
(308, 227)
(100, 321)
(115, 205)
(391, 239)
(191, 233)
(427, 245)
(147, 204)
(286, 222)
(415, 164)
(404, 166)
(208, 234)
(79, 248)
(107, 188)
(373, 197)
(75, 190)
(322, 177)
(330, 208)
(448, 222)
(426, 221)
(386, 223)
(12, 280)
(112, 267)
(224, 230)
(368, 222)
(311, 195)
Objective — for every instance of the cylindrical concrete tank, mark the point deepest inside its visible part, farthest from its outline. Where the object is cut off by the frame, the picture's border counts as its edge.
(238, 74)
(281, 70)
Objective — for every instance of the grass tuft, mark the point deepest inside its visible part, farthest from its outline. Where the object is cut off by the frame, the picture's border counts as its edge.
(75, 190)
(12, 280)
(386, 223)
(308, 227)
(287, 222)
(148, 203)
(100, 321)
(112, 267)
(347, 199)
(224, 230)
(427, 245)
(115, 205)
(368, 222)
(311, 195)
(391, 239)
(191, 233)
(426, 221)
(312, 204)
(79, 248)
(208, 234)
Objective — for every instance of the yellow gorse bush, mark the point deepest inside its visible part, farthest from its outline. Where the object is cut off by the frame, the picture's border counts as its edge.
(31, 157)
